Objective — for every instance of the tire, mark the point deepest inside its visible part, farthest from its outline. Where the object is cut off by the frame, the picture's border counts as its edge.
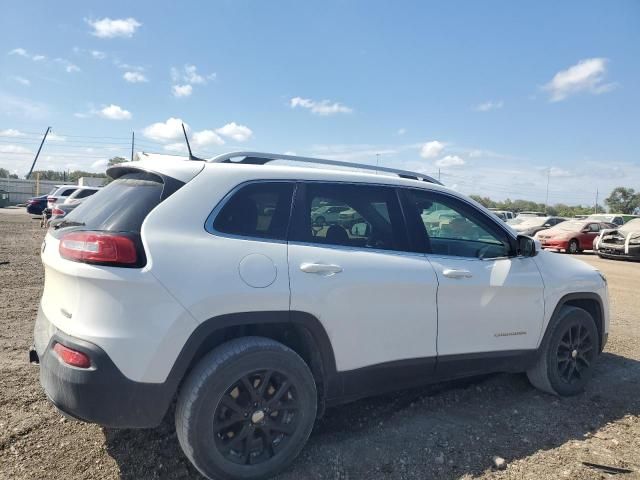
(562, 353)
(222, 391)
(573, 247)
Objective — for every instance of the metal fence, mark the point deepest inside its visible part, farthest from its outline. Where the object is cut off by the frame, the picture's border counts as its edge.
(20, 190)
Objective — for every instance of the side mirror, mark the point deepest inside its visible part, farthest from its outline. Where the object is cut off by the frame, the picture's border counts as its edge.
(547, 225)
(526, 246)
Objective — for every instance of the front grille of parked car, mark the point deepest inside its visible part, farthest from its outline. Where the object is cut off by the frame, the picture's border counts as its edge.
(613, 239)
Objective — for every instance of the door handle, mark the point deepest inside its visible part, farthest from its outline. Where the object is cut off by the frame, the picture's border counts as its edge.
(320, 268)
(451, 273)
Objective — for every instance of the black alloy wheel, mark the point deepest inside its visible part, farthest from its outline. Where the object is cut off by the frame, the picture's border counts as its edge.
(575, 354)
(256, 417)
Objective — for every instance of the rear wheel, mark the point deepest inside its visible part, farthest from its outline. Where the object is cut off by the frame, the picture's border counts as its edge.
(567, 354)
(246, 410)
(573, 247)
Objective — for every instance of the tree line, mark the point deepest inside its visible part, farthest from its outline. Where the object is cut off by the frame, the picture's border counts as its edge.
(621, 200)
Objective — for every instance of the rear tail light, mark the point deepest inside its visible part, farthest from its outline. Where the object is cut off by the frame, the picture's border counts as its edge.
(72, 357)
(99, 247)
(57, 211)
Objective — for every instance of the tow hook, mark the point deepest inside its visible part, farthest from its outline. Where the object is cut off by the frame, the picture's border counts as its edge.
(33, 356)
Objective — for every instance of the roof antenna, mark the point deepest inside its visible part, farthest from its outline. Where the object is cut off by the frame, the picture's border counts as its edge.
(191, 155)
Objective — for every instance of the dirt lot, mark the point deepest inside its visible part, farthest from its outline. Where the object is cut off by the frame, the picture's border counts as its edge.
(445, 431)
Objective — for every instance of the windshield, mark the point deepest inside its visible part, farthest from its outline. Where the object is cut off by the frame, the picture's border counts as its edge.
(630, 226)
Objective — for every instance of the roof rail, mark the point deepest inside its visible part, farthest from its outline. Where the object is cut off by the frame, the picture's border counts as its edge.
(261, 158)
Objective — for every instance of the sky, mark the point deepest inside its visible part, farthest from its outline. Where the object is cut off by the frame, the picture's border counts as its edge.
(496, 98)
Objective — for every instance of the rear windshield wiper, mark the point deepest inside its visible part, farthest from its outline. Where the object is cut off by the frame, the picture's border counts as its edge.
(69, 223)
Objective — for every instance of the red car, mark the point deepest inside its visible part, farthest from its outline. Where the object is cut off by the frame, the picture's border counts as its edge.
(572, 236)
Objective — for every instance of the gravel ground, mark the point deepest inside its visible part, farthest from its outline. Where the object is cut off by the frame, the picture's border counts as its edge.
(445, 431)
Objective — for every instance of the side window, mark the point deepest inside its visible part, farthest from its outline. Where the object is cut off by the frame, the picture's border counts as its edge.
(350, 215)
(257, 210)
(68, 192)
(594, 227)
(446, 226)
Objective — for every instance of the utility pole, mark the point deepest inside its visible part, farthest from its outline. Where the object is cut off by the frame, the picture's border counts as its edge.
(546, 200)
(438, 174)
(38, 153)
(133, 142)
(377, 162)
(595, 207)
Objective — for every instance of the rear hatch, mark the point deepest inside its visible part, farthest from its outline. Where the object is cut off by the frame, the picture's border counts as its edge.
(97, 247)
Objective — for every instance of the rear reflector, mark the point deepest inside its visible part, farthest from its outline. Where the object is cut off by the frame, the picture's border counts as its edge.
(98, 247)
(72, 357)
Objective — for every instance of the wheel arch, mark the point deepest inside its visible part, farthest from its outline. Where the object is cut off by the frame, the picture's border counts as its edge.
(589, 301)
(300, 331)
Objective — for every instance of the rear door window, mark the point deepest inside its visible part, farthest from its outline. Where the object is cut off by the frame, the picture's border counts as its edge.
(257, 210)
(349, 215)
(85, 193)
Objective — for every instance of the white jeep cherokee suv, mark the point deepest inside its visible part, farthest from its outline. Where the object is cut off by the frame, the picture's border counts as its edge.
(208, 282)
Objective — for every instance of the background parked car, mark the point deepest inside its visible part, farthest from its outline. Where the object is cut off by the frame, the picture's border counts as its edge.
(531, 214)
(60, 210)
(621, 243)
(327, 214)
(36, 205)
(58, 194)
(572, 236)
(505, 215)
(617, 218)
(532, 225)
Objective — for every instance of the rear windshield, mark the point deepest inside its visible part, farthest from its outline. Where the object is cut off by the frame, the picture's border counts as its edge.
(121, 206)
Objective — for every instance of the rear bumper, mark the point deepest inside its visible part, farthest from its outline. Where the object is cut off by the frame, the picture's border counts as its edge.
(100, 394)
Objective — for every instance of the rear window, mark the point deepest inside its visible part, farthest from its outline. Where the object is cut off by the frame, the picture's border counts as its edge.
(121, 206)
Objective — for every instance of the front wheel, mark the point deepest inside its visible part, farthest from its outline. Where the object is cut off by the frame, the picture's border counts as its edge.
(246, 409)
(567, 354)
(573, 247)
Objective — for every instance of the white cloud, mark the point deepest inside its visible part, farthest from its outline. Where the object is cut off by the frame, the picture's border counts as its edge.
(134, 77)
(71, 68)
(98, 55)
(23, 81)
(115, 112)
(182, 90)
(401, 131)
(13, 149)
(323, 107)
(11, 132)
(189, 75)
(239, 133)
(431, 149)
(450, 161)
(206, 138)
(23, 53)
(16, 106)
(489, 105)
(165, 131)
(585, 76)
(19, 51)
(112, 28)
